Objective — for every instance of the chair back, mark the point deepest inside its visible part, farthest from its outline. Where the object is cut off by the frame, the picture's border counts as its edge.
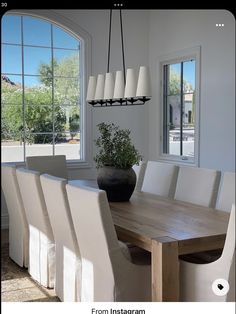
(227, 259)
(33, 199)
(160, 178)
(139, 171)
(197, 186)
(229, 246)
(53, 165)
(198, 280)
(54, 190)
(68, 264)
(18, 225)
(226, 195)
(41, 240)
(97, 241)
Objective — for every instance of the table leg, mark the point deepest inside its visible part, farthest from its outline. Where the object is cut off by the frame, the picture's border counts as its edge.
(165, 269)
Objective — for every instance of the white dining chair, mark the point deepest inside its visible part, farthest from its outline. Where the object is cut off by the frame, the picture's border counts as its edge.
(68, 261)
(197, 185)
(53, 165)
(160, 178)
(139, 171)
(198, 281)
(225, 199)
(107, 275)
(18, 225)
(226, 195)
(41, 241)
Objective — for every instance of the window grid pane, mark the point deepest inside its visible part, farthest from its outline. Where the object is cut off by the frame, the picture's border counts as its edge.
(46, 92)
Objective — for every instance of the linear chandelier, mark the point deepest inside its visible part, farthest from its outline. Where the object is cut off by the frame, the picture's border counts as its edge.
(126, 90)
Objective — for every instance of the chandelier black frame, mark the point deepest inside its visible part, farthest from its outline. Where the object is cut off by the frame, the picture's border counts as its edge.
(121, 101)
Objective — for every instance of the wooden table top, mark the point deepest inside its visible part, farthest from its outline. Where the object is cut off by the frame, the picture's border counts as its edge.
(167, 228)
(147, 216)
(152, 216)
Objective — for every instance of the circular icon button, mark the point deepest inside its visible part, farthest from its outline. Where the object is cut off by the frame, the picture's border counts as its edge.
(220, 287)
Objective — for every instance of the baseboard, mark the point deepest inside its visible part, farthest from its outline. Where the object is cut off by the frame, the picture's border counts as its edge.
(4, 222)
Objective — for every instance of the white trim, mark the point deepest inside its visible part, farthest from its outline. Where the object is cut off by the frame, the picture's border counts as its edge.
(175, 57)
(86, 111)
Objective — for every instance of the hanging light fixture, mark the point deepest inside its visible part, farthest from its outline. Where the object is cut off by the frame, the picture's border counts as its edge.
(125, 90)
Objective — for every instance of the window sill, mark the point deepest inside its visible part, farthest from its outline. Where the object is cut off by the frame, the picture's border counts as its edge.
(178, 160)
(71, 164)
(77, 164)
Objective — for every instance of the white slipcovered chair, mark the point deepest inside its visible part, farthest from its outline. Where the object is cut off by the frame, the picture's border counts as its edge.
(139, 171)
(18, 225)
(196, 280)
(68, 261)
(53, 165)
(226, 195)
(107, 275)
(197, 186)
(160, 178)
(41, 241)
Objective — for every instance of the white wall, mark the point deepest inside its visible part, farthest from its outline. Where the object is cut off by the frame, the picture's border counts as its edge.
(174, 30)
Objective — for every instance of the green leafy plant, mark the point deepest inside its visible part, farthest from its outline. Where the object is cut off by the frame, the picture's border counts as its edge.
(115, 148)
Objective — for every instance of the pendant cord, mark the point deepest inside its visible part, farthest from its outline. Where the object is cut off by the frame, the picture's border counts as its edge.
(122, 43)
(109, 44)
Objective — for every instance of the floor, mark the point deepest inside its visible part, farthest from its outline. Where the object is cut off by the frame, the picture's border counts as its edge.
(16, 283)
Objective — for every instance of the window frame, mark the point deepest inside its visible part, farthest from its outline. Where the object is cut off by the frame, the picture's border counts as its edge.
(177, 57)
(74, 29)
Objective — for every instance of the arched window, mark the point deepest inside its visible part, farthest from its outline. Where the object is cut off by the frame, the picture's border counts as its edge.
(41, 79)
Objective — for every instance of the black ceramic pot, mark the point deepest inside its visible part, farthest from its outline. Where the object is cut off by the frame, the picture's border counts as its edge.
(119, 184)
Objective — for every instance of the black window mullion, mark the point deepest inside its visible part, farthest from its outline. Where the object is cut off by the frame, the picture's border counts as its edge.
(165, 113)
(181, 109)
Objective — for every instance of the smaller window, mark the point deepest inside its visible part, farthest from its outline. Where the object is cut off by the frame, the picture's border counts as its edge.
(180, 108)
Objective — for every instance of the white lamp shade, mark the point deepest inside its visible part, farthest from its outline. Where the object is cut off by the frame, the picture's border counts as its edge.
(119, 85)
(144, 82)
(99, 92)
(130, 87)
(91, 88)
(109, 86)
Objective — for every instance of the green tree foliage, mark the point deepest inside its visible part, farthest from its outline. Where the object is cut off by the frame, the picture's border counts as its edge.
(46, 73)
(11, 111)
(174, 84)
(74, 122)
(40, 114)
(66, 79)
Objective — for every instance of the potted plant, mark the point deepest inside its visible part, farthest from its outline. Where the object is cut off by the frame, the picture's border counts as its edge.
(114, 160)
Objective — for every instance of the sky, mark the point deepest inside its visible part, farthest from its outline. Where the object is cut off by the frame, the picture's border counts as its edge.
(188, 71)
(35, 32)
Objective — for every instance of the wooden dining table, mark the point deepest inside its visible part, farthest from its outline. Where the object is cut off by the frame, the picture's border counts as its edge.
(168, 229)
